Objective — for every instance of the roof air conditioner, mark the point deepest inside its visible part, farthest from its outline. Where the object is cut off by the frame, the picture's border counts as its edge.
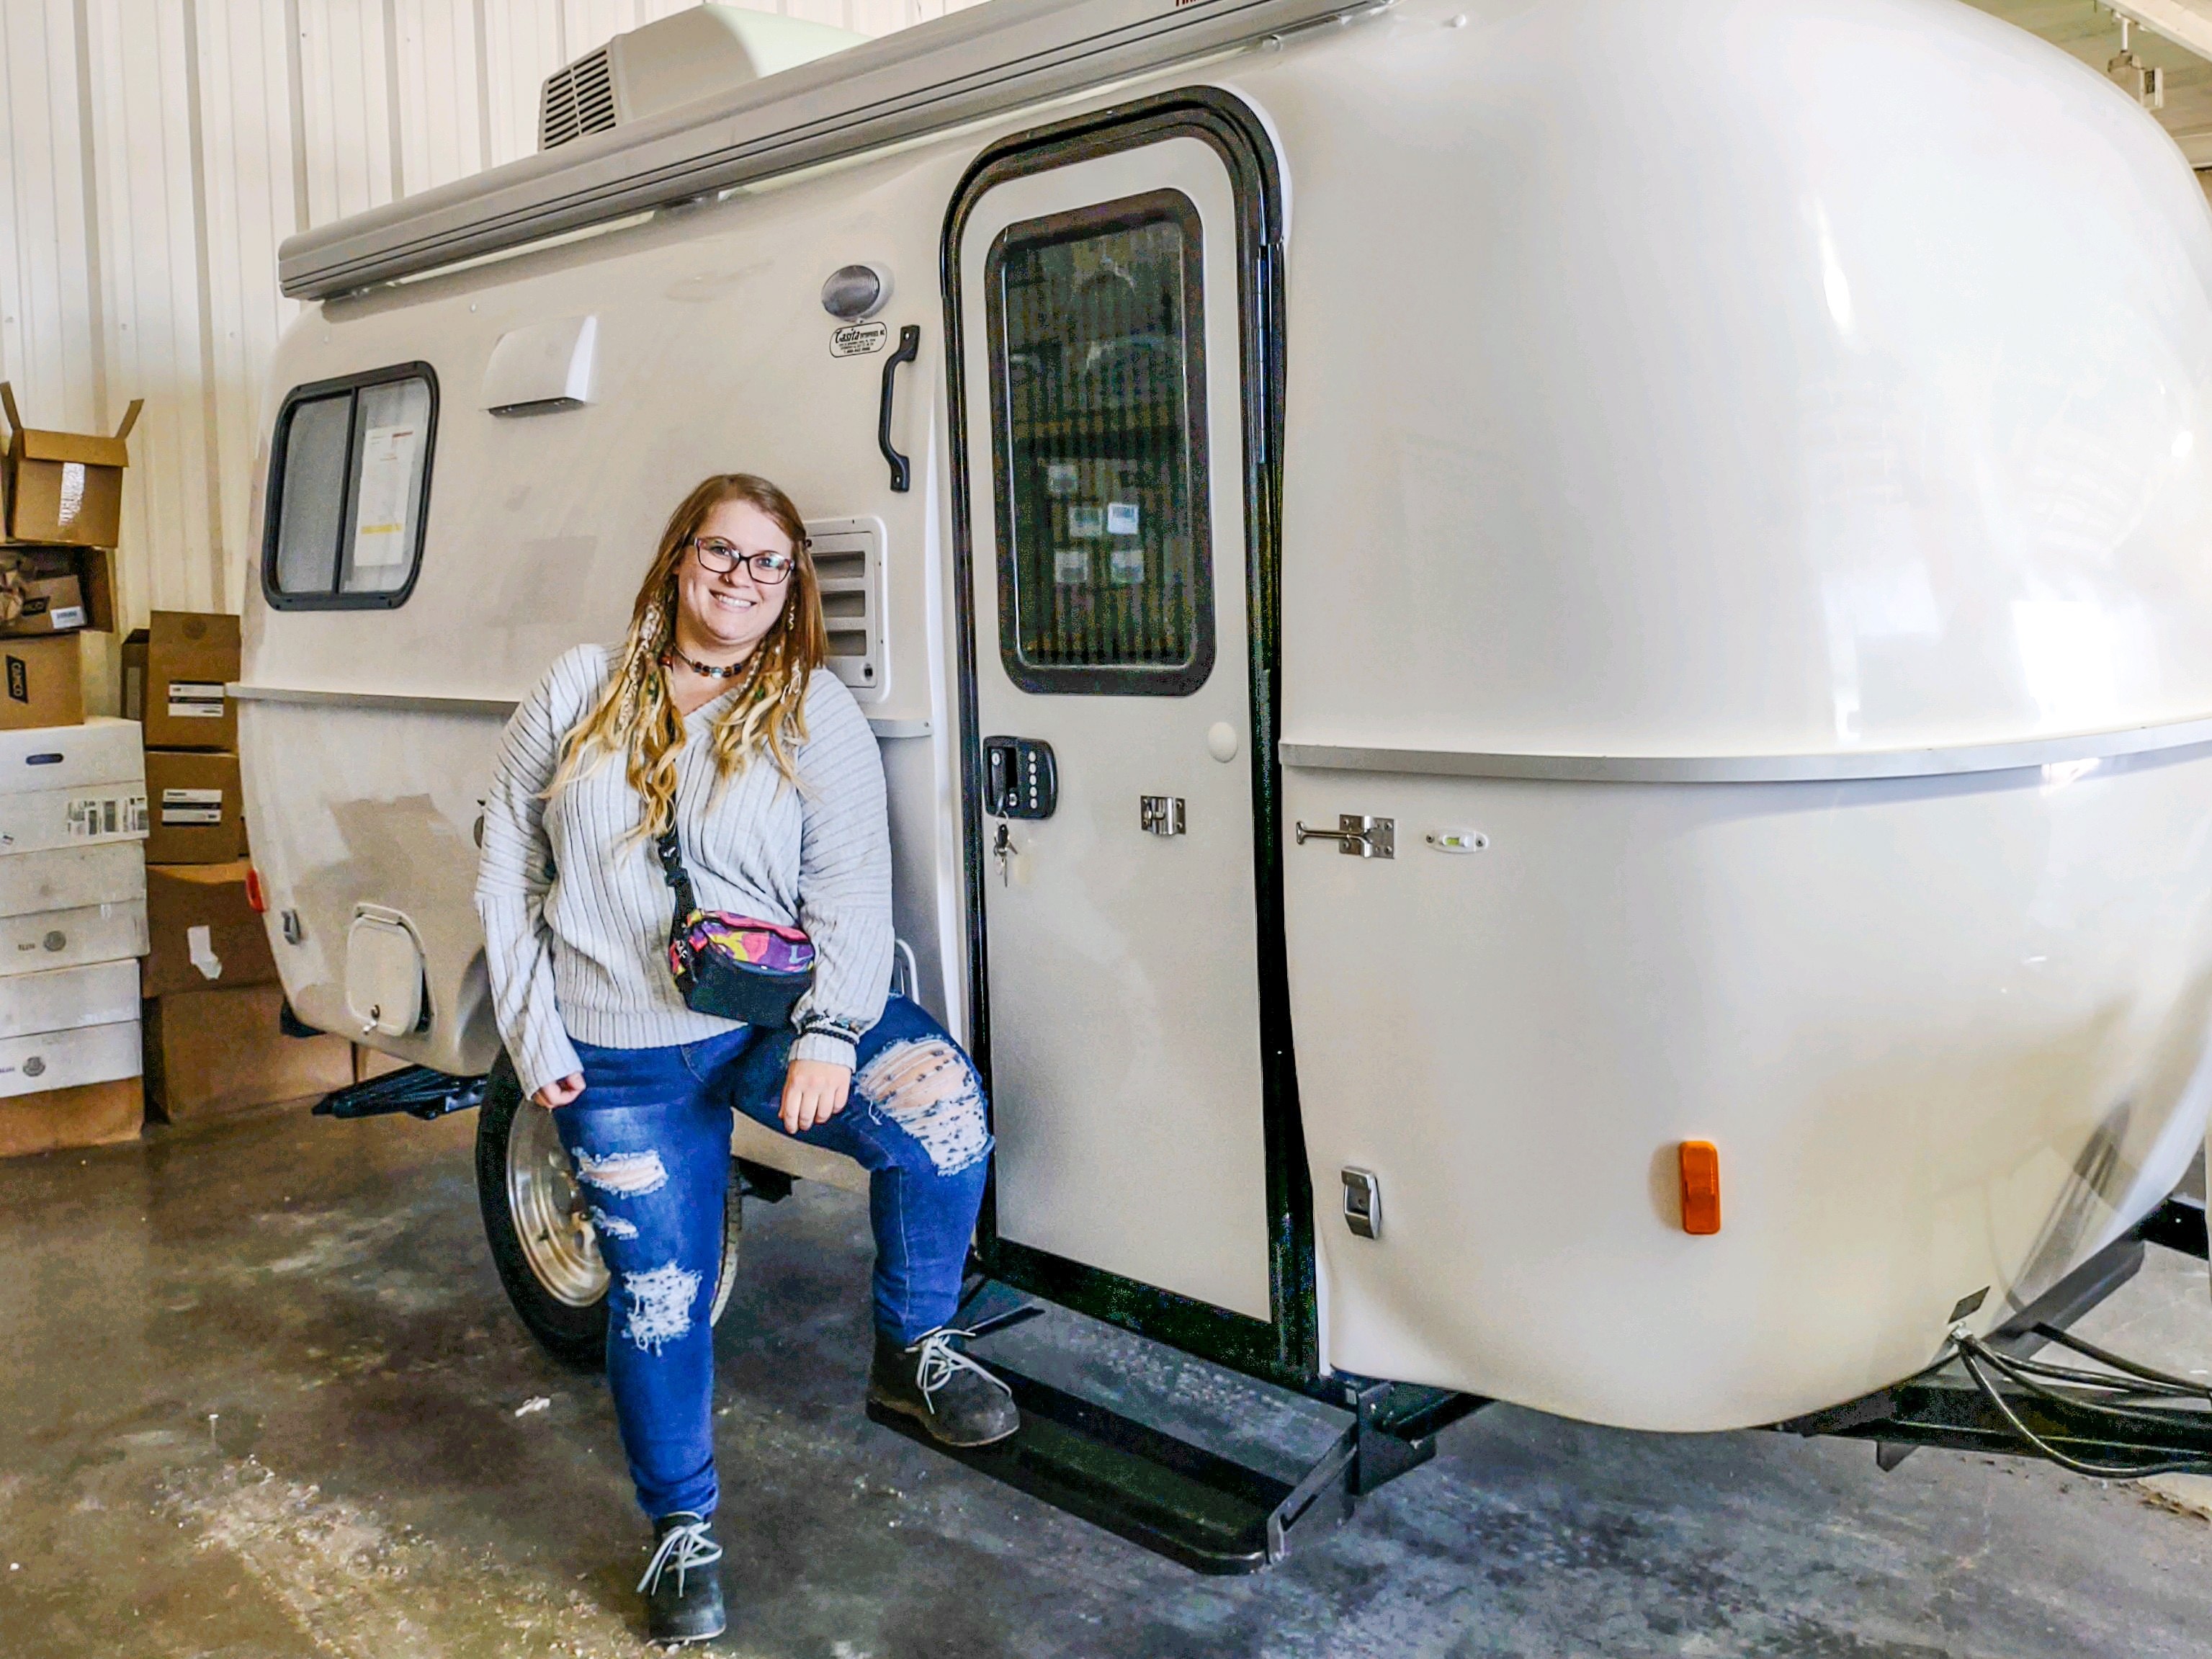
(691, 55)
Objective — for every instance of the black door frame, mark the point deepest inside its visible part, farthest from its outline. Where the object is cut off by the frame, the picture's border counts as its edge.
(1283, 1349)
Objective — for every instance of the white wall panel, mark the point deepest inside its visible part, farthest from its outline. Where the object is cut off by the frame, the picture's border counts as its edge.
(344, 89)
(150, 288)
(440, 139)
(524, 42)
(154, 153)
(248, 164)
(48, 325)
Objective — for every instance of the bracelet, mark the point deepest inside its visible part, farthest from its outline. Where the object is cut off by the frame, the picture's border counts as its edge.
(818, 1025)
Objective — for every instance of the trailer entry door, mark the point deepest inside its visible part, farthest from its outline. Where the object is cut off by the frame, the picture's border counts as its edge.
(1111, 734)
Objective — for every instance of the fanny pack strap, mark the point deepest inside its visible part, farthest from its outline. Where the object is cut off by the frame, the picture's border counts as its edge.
(678, 877)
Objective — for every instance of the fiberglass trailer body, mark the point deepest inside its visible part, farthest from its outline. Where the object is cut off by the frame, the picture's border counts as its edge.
(1458, 596)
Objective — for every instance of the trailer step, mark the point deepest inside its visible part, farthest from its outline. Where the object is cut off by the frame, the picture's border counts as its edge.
(1210, 1513)
(417, 1090)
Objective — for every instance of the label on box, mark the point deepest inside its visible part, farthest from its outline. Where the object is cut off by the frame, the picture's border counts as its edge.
(69, 617)
(91, 817)
(72, 492)
(192, 806)
(1122, 518)
(195, 700)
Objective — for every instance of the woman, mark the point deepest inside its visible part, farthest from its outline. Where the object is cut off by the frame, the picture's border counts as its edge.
(715, 715)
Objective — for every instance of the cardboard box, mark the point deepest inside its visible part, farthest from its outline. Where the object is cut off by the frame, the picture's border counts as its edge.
(67, 998)
(203, 933)
(70, 877)
(65, 486)
(97, 750)
(211, 1051)
(41, 591)
(45, 683)
(69, 785)
(90, 1114)
(174, 675)
(43, 940)
(62, 1059)
(72, 786)
(192, 806)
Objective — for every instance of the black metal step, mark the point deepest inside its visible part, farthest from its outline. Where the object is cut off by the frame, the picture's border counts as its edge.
(417, 1090)
(1211, 1514)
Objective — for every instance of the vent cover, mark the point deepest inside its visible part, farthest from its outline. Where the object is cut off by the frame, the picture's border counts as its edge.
(577, 100)
(848, 562)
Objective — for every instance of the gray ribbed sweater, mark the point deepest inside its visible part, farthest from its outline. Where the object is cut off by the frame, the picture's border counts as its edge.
(575, 911)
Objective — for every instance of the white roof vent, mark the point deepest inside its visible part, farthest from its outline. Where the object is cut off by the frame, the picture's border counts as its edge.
(692, 54)
(575, 101)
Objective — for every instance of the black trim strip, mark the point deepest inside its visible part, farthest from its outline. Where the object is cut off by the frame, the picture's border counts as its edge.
(1285, 1350)
(273, 503)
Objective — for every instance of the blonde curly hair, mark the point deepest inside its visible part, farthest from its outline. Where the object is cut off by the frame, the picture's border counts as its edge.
(636, 718)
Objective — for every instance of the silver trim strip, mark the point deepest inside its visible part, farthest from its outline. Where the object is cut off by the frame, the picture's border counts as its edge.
(1752, 768)
(963, 67)
(407, 702)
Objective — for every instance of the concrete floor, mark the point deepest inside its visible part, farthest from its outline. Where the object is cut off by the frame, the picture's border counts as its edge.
(259, 1396)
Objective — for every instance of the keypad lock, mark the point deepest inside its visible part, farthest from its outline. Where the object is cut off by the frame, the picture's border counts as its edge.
(1020, 780)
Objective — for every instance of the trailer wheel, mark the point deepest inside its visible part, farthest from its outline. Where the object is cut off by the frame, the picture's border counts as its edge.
(542, 1243)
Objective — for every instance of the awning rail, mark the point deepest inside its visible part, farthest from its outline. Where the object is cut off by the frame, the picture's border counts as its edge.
(961, 68)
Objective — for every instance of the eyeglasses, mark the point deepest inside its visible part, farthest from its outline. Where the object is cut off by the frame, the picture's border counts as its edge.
(718, 557)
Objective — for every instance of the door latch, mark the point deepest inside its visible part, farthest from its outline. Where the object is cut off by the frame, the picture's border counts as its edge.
(1160, 815)
(1020, 778)
(1363, 1203)
(1357, 836)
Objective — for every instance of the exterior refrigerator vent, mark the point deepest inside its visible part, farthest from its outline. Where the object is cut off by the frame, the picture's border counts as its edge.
(575, 101)
(848, 562)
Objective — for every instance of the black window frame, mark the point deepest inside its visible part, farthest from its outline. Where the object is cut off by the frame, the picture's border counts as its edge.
(1124, 679)
(273, 508)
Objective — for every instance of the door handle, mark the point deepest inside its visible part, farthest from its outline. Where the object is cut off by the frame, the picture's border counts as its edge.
(1356, 836)
(908, 346)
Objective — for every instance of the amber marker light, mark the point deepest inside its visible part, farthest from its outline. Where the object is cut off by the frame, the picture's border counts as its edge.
(256, 899)
(1701, 1187)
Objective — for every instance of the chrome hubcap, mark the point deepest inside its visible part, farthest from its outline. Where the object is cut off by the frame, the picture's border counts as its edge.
(556, 1235)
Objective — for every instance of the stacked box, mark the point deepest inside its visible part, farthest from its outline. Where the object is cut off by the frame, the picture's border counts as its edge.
(63, 499)
(214, 1037)
(215, 1040)
(177, 672)
(72, 928)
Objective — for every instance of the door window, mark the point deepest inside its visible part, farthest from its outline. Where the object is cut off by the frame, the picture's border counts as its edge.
(349, 478)
(1098, 370)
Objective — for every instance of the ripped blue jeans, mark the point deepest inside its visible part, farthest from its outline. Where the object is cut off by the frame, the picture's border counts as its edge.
(650, 1141)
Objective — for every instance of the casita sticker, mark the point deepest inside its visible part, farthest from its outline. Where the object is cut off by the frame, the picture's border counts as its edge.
(857, 339)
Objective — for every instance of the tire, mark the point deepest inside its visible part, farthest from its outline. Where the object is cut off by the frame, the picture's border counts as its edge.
(547, 1254)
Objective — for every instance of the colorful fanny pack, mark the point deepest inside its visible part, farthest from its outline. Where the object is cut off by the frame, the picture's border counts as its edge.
(732, 967)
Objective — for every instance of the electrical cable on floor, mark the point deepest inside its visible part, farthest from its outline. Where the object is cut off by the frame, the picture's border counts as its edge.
(2032, 1375)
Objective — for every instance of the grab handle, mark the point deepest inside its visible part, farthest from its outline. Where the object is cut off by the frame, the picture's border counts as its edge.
(909, 344)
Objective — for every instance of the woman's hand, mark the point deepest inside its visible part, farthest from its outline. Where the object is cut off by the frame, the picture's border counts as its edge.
(813, 1092)
(560, 1092)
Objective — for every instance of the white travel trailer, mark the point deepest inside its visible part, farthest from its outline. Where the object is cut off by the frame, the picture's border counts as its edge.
(1546, 669)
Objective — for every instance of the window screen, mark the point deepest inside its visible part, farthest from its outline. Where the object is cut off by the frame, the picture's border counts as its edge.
(1097, 331)
(349, 481)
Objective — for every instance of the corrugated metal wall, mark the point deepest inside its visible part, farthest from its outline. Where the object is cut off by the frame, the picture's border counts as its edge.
(157, 151)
